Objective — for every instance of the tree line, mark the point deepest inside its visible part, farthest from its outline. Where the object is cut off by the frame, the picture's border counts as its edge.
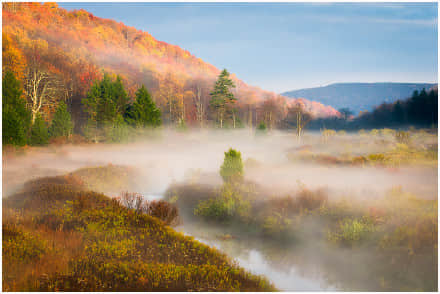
(419, 110)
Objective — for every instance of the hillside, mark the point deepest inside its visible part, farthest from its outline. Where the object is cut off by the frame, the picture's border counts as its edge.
(73, 48)
(358, 96)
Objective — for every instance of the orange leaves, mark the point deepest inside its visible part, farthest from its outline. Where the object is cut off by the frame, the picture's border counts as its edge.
(13, 58)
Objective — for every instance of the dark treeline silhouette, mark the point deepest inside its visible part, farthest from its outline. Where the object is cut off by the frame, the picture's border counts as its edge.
(420, 110)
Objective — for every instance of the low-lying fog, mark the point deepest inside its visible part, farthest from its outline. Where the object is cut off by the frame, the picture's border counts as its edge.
(174, 157)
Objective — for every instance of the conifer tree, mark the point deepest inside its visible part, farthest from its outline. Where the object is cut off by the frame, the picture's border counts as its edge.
(62, 122)
(143, 112)
(16, 117)
(221, 96)
(39, 133)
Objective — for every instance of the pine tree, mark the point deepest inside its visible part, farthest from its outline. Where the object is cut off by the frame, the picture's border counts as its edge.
(232, 167)
(221, 96)
(16, 117)
(62, 122)
(119, 95)
(39, 133)
(143, 112)
(118, 132)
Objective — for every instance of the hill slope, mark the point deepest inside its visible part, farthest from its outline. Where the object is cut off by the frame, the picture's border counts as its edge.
(68, 238)
(74, 47)
(358, 96)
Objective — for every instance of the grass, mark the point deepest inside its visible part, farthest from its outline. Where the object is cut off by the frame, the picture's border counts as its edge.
(60, 236)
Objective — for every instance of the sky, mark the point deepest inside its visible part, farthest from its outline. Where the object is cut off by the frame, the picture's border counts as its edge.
(288, 46)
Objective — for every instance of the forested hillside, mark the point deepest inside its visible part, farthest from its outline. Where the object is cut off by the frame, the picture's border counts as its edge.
(57, 55)
(359, 96)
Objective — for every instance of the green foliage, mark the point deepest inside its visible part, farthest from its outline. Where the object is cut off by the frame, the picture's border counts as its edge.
(261, 128)
(16, 118)
(143, 112)
(118, 132)
(62, 125)
(351, 231)
(228, 205)
(106, 101)
(221, 96)
(39, 132)
(232, 167)
(20, 246)
(276, 225)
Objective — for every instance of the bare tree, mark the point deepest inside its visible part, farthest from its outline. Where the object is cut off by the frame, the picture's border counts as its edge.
(42, 87)
(200, 105)
(299, 117)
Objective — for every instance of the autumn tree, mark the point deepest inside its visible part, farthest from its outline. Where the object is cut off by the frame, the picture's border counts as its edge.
(16, 117)
(171, 90)
(12, 57)
(42, 87)
(221, 96)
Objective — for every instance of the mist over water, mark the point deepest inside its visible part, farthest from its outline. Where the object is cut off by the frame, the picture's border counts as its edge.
(173, 157)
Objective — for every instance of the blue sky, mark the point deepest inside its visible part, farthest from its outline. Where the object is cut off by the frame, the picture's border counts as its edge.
(286, 46)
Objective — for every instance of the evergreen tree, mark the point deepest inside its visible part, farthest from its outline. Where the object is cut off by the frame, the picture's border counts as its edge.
(143, 112)
(61, 123)
(39, 133)
(16, 117)
(118, 132)
(119, 95)
(105, 100)
(221, 96)
(232, 167)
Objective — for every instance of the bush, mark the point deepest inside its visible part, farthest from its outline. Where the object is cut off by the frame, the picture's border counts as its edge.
(229, 205)
(350, 232)
(402, 137)
(163, 210)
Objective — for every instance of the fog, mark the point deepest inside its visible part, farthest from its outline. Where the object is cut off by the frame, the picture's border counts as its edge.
(172, 157)
(169, 157)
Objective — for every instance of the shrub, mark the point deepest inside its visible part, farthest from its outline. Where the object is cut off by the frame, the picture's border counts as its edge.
(228, 205)
(262, 127)
(402, 137)
(276, 225)
(163, 210)
(374, 132)
(351, 231)
(387, 132)
(342, 133)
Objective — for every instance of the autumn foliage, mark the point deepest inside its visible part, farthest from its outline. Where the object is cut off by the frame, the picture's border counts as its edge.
(71, 49)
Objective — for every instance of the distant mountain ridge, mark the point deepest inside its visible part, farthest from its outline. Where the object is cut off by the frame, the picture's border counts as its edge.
(358, 96)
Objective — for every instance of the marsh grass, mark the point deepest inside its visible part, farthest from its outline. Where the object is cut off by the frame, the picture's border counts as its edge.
(58, 236)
